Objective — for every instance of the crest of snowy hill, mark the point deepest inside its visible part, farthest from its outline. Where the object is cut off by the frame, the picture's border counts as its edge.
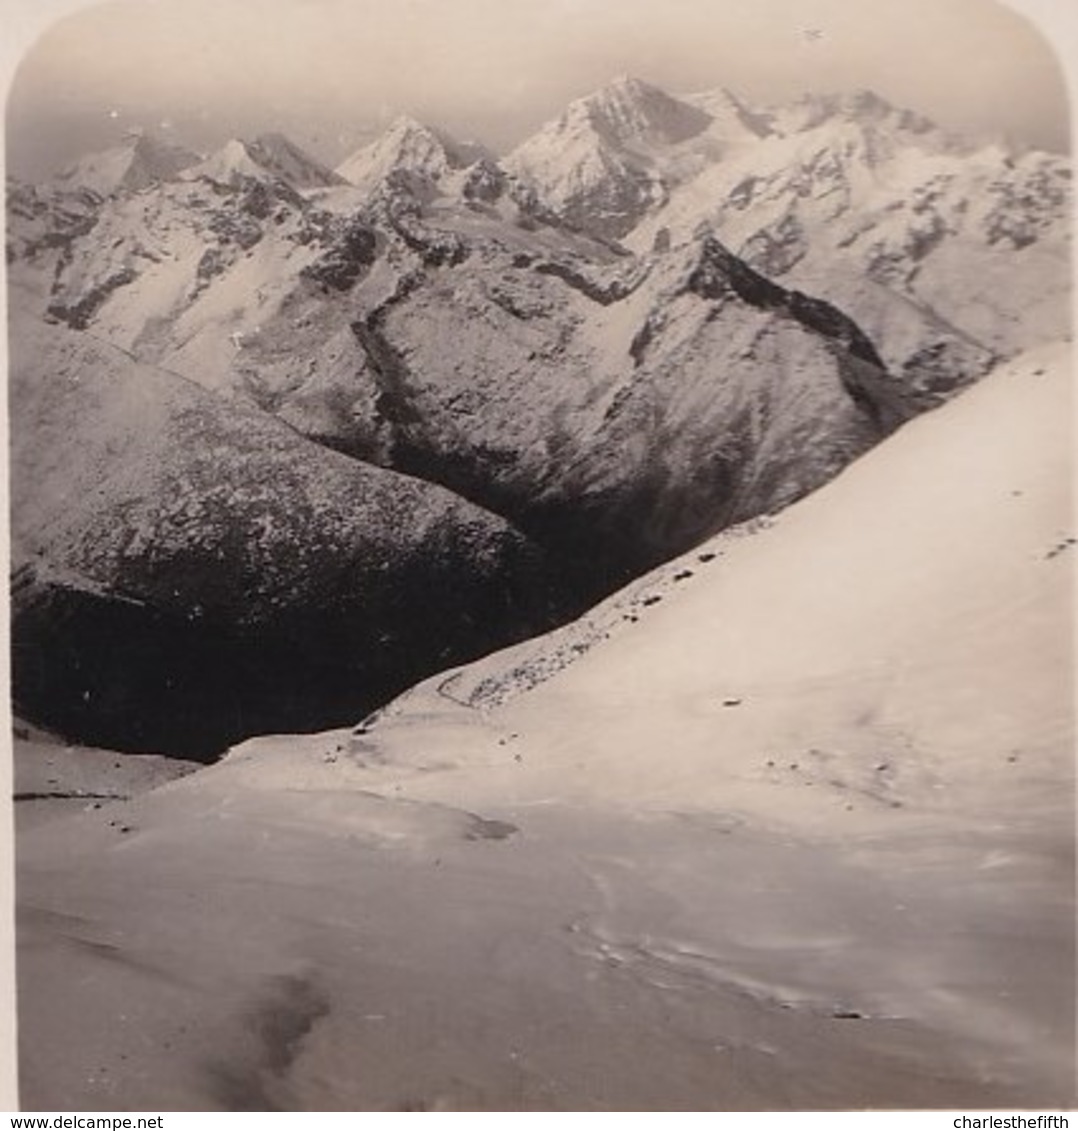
(912, 231)
(143, 160)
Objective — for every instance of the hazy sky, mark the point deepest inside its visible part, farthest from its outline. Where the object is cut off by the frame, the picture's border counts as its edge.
(330, 72)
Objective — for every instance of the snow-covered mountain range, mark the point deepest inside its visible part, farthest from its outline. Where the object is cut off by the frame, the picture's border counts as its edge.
(658, 316)
(941, 248)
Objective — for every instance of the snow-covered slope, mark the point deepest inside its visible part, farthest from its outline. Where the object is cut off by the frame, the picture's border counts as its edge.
(899, 639)
(887, 668)
(790, 822)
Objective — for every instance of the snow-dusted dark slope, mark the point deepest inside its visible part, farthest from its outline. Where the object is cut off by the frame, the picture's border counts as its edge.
(189, 571)
(616, 414)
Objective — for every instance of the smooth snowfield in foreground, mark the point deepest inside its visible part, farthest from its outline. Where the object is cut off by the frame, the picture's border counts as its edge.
(788, 823)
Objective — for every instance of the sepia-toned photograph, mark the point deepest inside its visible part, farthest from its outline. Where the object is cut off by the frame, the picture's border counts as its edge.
(541, 556)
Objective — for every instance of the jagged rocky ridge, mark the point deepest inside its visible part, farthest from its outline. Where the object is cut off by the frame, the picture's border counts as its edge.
(617, 371)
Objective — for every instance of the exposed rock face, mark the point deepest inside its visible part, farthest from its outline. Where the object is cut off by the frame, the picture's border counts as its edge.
(190, 571)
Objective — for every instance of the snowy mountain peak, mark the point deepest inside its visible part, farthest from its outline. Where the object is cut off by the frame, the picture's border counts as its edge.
(613, 156)
(730, 116)
(631, 86)
(227, 164)
(405, 126)
(627, 90)
(629, 110)
(141, 161)
(278, 154)
(408, 146)
(270, 155)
